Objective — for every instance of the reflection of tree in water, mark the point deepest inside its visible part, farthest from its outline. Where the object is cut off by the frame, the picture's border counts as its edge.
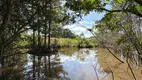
(80, 54)
(47, 67)
(13, 67)
(68, 51)
(29, 67)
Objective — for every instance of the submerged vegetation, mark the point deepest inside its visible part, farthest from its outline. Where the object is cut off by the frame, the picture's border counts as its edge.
(37, 27)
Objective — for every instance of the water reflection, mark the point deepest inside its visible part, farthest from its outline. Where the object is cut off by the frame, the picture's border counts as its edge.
(13, 67)
(44, 67)
(79, 65)
(68, 64)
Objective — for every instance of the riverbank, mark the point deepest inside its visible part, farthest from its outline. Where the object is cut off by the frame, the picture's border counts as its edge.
(69, 42)
(65, 42)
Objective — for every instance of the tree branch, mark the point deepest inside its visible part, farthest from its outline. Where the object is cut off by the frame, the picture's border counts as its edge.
(110, 10)
(139, 2)
(123, 10)
(102, 44)
(14, 36)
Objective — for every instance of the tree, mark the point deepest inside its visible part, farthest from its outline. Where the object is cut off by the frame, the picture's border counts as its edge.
(85, 6)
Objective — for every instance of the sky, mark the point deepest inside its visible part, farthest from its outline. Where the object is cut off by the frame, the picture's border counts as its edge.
(88, 21)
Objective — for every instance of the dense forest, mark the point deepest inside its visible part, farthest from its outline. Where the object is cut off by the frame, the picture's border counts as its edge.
(36, 27)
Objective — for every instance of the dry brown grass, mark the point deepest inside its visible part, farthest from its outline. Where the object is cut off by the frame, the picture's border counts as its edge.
(121, 71)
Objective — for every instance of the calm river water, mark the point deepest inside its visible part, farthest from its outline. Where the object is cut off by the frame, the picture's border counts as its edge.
(71, 64)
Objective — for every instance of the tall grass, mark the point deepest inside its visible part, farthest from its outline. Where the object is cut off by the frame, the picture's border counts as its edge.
(69, 42)
(65, 42)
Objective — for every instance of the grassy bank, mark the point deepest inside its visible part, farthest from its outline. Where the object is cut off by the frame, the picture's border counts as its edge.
(61, 42)
(75, 42)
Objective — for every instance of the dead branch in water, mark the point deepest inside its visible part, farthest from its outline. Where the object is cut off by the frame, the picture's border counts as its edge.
(102, 43)
(96, 71)
(111, 73)
(130, 66)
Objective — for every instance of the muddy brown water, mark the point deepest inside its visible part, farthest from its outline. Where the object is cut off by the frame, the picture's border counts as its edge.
(70, 64)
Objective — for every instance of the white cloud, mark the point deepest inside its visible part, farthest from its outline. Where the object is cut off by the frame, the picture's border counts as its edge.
(87, 24)
(87, 34)
(78, 29)
(69, 26)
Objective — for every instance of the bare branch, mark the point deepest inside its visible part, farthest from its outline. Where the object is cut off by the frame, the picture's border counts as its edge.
(111, 73)
(102, 44)
(139, 2)
(96, 71)
(130, 66)
(123, 10)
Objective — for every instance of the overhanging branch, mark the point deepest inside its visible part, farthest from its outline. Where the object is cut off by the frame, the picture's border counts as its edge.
(102, 44)
(139, 2)
(123, 10)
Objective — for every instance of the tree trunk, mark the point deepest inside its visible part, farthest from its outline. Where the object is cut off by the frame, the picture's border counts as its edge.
(38, 27)
(49, 27)
(49, 35)
(6, 16)
(45, 35)
(34, 39)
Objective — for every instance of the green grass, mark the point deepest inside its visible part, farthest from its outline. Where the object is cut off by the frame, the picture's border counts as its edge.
(63, 42)
(69, 42)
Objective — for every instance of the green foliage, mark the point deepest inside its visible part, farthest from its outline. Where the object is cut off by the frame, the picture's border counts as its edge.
(119, 1)
(121, 40)
(139, 8)
(83, 6)
(73, 42)
(67, 42)
(125, 26)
